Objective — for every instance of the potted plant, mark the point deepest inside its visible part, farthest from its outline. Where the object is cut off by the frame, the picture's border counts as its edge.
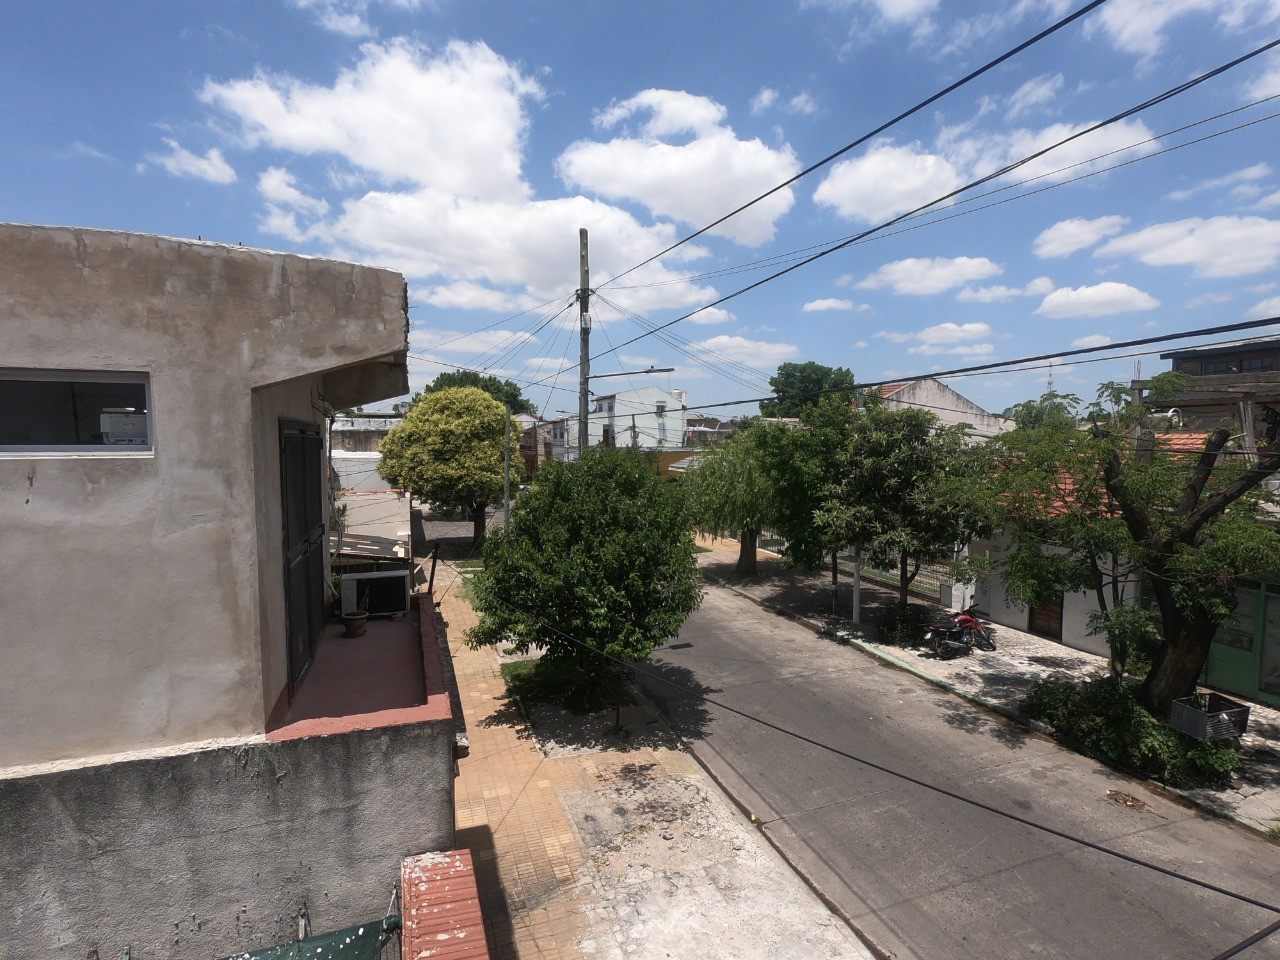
(354, 623)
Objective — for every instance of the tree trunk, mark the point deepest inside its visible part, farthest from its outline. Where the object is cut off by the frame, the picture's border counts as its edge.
(1178, 663)
(904, 580)
(1177, 668)
(477, 528)
(748, 540)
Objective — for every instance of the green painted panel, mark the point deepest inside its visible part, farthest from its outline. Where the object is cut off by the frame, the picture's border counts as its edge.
(361, 942)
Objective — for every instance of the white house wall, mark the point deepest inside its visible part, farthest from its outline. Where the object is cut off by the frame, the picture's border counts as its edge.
(948, 406)
(994, 603)
(132, 586)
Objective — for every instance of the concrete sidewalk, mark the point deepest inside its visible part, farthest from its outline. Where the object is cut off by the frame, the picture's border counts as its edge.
(591, 842)
(997, 680)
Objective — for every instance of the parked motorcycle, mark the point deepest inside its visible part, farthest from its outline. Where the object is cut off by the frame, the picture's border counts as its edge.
(959, 635)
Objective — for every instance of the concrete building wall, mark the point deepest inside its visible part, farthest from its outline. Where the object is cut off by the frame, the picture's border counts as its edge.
(948, 406)
(132, 583)
(208, 853)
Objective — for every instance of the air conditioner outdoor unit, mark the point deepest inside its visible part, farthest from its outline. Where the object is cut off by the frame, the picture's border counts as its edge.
(380, 592)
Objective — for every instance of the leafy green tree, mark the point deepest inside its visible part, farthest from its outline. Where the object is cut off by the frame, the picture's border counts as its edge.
(1112, 493)
(904, 491)
(802, 464)
(596, 562)
(800, 386)
(730, 494)
(504, 391)
(449, 450)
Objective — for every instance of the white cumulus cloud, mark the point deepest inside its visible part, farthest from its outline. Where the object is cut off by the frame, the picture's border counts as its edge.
(886, 181)
(951, 338)
(1139, 26)
(756, 353)
(454, 122)
(1067, 236)
(1267, 308)
(999, 294)
(1247, 176)
(1034, 93)
(1214, 247)
(923, 276)
(183, 163)
(709, 172)
(1101, 300)
(349, 17)
(828, 303)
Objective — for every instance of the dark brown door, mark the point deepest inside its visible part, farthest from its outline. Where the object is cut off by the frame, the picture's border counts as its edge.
(1045, 619)
(301, 485)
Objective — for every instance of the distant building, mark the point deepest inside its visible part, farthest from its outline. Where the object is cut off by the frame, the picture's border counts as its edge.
(648, 418)
(947, 405)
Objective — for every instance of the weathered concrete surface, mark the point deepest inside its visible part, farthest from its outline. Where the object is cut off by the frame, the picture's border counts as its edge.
(143, 594)
(202, 854)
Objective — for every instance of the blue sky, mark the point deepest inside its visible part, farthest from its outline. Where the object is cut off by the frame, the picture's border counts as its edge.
(464, 144)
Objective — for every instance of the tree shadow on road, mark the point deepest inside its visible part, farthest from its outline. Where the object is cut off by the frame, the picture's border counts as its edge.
(970, 718)
(677, 694)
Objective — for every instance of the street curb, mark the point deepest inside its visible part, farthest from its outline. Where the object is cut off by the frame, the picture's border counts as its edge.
(1009, 713)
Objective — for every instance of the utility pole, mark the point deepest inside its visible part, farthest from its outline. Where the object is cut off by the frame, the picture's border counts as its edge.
(584, 338)
(506, 467)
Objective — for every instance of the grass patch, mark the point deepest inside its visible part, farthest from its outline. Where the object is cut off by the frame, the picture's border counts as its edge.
(700, 549)
(1104, 717)
(561, 684)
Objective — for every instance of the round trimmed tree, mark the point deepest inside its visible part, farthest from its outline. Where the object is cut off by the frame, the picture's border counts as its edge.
(595, 568)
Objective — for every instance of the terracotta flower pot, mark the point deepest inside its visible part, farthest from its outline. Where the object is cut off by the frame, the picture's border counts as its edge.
(353, 624)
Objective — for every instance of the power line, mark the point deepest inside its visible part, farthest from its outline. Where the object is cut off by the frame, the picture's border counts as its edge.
(713, 361)
(923, 222)
(1004, 364)
(1008, 168)
(489, 326)
(1049, 31)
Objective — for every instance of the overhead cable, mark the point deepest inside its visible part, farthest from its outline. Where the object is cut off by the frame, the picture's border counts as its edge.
(1009, 54)
(1008, 168)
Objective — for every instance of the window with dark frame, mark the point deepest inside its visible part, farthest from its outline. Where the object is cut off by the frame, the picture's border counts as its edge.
(74, 412)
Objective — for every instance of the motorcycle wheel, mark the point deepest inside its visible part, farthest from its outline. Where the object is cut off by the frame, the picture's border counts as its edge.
(982, 639)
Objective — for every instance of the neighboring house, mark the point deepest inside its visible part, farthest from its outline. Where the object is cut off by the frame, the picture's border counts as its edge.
(944, 403)
(536, 442)
(649, 418)
(353, 449)
(1235, 386)
(163, 484)
(702, 432)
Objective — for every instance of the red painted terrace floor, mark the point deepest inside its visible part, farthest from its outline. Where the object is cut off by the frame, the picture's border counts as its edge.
(390, 675)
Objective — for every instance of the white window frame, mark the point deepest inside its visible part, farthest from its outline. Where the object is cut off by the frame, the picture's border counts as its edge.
(28, 451)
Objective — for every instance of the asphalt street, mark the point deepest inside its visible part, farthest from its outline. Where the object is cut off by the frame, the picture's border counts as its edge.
(915, 867)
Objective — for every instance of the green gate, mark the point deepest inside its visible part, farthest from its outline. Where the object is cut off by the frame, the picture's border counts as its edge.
(1245, 657)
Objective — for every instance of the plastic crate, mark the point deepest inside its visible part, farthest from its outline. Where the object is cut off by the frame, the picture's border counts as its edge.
(1209, 716)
